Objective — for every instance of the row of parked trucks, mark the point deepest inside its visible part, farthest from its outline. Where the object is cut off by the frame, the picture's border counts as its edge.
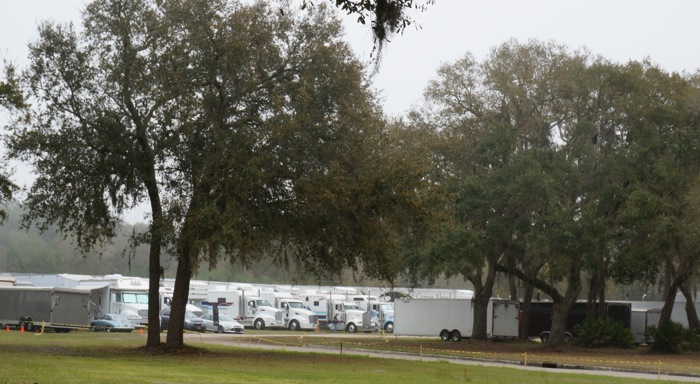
(65, 302)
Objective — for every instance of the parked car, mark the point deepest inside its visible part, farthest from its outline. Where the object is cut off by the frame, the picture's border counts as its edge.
(227, 324)
(111, 322)
(192, 322)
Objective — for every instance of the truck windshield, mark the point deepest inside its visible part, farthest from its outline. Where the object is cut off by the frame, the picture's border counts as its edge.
(134, 298)
(262, 303)
(387, 307)
(351, 306)
(295, 304)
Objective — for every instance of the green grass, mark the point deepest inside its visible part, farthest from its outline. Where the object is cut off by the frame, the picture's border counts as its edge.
(83, 357)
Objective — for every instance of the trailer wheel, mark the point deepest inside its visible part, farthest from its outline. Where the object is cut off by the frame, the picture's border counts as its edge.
(294, 325)
(108, 329)
(259, 324)
(389, 327)
(444, 335)
(455, 335)
(352, 328)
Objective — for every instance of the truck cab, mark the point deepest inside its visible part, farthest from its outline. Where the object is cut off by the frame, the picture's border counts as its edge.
(351, 316)
(297, 317)
(383, 315)
(260, 314)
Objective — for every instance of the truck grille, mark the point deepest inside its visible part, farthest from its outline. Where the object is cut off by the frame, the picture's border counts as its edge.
(143, 313)
(279, 316)
(313, 319)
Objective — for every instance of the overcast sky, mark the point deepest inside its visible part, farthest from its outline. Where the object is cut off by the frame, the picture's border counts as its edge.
(665, 31)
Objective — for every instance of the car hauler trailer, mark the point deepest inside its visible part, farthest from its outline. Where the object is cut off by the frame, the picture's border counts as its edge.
(453, 319)
(58, 309)
(541, 317)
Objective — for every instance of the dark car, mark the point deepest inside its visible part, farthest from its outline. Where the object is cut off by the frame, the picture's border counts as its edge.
(192, 322)
(111, 322)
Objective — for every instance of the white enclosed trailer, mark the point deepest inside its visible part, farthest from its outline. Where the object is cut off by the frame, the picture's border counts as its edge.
(453, 319)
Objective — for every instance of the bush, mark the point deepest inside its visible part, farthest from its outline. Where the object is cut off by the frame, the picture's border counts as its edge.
(672, 337)
(603, 333)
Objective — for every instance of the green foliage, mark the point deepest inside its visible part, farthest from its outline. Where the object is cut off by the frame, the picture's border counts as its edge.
(603, 333)
(673, 337)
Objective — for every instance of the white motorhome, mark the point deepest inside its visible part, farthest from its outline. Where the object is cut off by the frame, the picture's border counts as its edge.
(297, 316)
(317, 302)
(246, 307)
(453, 319)
(124, 295)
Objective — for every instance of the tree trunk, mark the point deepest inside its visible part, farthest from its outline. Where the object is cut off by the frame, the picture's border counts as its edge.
(155, 272)
(693, 321)
(595, 308)
(181, 294)
(524, 324)
(154, 276)
(562, 307)
(482, 295)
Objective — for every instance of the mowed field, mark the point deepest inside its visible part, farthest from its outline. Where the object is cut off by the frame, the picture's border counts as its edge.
(87, 357)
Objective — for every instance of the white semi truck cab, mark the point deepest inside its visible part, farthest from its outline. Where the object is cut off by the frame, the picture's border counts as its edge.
(351, 316)
(260, 314)
(297, 317)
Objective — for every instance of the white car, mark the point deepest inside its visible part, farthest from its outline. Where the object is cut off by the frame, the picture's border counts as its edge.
(227, 324)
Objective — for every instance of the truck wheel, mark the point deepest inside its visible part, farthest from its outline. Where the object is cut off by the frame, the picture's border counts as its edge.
(220, 329)
(259, 324)
(294, 325)
(444, 335)
(352, 328)
(544, 336)
(455, 335)
(389, 327)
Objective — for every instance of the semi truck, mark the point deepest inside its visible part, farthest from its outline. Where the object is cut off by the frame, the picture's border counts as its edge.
(296, 316)
(349, 316)
(453, 319)
(57, 309)
(382, 312)
(249, 309)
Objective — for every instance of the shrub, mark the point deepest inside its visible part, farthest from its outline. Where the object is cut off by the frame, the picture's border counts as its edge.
(672, 337)
(603, 333)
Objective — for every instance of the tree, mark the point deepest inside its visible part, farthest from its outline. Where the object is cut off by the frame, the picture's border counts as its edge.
(504, 171)
(96, 134)
(302, 171)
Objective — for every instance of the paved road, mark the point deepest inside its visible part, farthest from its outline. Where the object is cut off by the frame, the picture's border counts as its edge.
(245, 341)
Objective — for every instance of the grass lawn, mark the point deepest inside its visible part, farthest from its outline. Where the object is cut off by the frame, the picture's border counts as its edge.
(85, 357)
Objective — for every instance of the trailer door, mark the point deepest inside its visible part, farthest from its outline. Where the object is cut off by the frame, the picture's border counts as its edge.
(505, 318)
